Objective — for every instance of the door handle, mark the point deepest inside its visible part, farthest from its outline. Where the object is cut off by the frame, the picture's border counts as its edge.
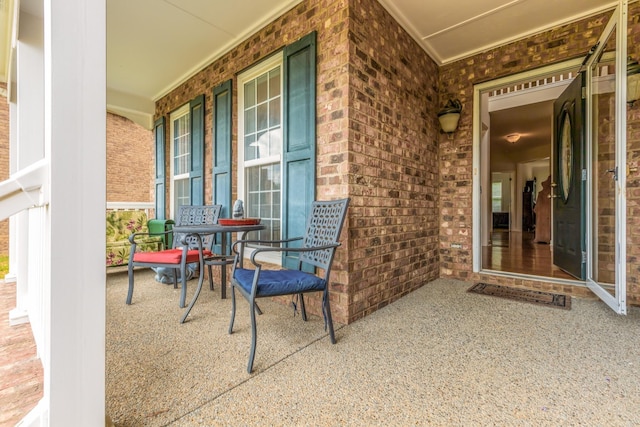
(613, 171)
(552, 193)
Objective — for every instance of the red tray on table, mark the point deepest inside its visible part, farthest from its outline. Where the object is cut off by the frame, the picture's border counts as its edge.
(239, 221)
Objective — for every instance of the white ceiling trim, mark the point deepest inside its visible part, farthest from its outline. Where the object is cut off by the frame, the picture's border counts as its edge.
(531, 33)
(475, 18)
(240, 37)
(440, 60)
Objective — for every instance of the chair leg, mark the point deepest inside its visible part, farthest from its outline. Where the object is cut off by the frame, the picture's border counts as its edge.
(196, 294)
(326, 306)
(303, 311)
(233, 309)
(223, 281)
(210, 277)
(252, 352)
(183, 291)
(130, 293)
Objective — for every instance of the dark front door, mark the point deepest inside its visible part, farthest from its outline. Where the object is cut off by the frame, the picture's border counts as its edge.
(569, 184)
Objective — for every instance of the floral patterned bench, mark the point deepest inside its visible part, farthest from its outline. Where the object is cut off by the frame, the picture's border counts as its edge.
(120, 225)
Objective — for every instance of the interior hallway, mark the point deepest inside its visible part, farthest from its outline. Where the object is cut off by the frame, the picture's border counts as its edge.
(516, 252)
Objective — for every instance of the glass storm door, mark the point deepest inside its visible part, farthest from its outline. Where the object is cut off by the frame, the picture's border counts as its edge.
(606, 163)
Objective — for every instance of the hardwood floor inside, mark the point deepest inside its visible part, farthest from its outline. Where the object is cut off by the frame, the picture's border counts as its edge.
(516, 252)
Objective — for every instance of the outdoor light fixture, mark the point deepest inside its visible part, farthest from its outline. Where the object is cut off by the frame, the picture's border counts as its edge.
(633, 81)
(513, 137)
(450, 115)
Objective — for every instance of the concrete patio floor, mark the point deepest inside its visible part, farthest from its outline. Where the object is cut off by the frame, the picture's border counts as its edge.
(439, 356)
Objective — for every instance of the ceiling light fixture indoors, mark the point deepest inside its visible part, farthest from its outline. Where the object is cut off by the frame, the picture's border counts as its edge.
(513, 137)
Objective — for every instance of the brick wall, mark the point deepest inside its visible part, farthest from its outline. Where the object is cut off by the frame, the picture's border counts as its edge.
(130, 164)
(329, 19)
(393, 161)
(457, 80)
(4, 162)
(606, 208)
(633, 174)
(379, 141)
(376, 142)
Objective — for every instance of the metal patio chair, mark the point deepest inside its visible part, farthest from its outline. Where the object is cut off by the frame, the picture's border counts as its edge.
(316, 250)
(184, 251)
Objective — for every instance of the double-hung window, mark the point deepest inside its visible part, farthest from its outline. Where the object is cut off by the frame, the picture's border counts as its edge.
(185, 158)
(180, 158)
(260, 144)
(276, 160)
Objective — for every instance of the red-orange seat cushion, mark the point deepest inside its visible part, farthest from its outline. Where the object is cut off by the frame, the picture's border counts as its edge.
(169, 256)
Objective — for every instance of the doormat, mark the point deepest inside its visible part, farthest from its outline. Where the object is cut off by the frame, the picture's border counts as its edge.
(535, 297)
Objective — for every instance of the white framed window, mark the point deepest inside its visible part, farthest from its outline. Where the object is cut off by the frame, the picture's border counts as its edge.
(260, 145)
(180, 128)
(496, 196)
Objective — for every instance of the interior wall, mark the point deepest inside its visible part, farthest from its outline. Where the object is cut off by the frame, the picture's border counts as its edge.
(527, 171)
(541, 173)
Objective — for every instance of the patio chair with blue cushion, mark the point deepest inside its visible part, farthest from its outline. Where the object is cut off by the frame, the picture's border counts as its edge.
(185, 247)
(316, 249)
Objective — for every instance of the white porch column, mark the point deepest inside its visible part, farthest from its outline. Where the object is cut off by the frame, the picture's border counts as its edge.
(74, 238)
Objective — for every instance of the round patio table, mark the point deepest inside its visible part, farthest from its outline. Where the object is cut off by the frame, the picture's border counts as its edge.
(223, 231)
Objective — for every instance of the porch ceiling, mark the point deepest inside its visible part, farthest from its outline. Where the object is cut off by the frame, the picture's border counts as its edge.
(154, 45)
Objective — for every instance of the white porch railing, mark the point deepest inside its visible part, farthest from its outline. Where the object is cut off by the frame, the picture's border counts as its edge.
(24, 189)
(147, 207)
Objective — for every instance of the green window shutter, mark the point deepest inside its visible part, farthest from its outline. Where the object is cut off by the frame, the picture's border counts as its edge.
(158, 134)
(299, 138)
(196, 175)
(222, 115)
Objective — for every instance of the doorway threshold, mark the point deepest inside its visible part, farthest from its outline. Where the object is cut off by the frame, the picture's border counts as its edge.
(547, 279)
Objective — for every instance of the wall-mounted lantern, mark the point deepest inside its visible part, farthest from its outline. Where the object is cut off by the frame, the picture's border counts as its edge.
(450, 115)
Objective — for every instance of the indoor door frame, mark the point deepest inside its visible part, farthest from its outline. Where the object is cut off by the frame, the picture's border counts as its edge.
(478, 165)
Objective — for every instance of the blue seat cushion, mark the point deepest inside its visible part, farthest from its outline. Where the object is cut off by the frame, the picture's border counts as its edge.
(279, 282)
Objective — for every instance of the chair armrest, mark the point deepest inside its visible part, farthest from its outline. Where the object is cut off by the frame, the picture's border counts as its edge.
(233, 247)
(146, 233)
(134, 244)
(298, 250)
